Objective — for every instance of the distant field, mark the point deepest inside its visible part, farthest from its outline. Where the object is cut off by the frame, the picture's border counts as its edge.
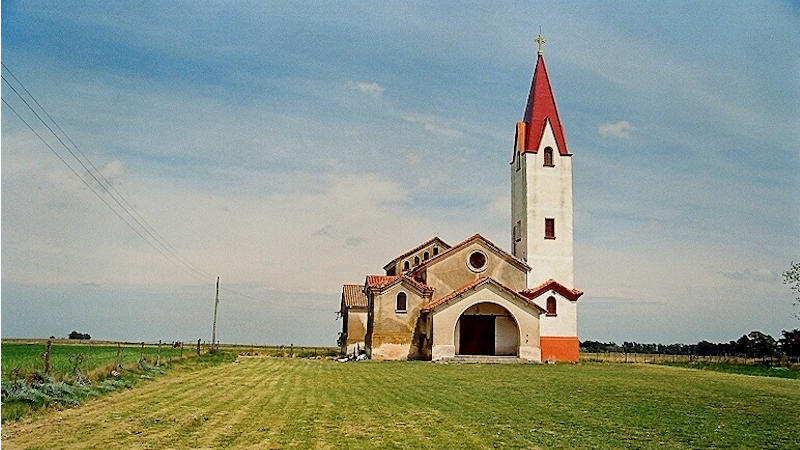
(291, 402)
(27, 356)
(745, 366)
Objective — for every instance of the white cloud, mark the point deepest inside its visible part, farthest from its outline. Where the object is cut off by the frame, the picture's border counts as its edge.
(373, 89)
(621, 129)
(431, 125)
(412, 158)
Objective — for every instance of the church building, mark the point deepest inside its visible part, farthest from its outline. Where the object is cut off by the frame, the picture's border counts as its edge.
(438, 301)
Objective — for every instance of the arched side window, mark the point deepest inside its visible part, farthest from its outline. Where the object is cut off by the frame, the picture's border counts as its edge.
(425, 256)
(548, 157)
(551, 306)
(401, 302)
(416, 260)
(406, 265)
(435, 251)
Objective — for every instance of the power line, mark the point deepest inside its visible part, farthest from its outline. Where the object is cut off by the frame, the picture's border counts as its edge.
(89, 161)
(163, 247)
(75, 172)
(167, 248)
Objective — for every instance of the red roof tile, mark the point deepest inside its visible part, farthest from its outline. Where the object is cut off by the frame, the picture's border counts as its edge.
(353, 296)
(474, 284)
(552, 285)
(383, 281)
(541, 107)
(380, 280)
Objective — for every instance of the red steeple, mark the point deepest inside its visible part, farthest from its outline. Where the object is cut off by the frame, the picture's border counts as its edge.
(540, 109)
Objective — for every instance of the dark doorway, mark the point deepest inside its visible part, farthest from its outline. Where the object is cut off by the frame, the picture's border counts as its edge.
(476, 335)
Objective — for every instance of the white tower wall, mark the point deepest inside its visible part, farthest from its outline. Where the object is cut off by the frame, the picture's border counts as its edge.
(540, 192)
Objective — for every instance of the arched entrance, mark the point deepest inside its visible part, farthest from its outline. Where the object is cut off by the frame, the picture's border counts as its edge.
(486, 329)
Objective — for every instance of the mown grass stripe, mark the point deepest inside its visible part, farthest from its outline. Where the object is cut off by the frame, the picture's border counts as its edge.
(287, 402)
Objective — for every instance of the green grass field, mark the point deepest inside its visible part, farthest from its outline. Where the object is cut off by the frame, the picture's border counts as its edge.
(27, 356)
(290, 402)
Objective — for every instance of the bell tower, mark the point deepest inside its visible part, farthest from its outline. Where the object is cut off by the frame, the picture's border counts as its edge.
(541, 210)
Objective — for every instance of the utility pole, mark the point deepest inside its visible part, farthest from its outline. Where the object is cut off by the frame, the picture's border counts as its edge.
(214, 327)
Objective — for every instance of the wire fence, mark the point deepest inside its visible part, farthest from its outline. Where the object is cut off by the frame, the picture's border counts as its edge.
(659, 358)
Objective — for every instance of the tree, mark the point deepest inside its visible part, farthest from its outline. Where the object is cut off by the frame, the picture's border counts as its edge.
(75, 335)
(762, 345)
(790, 342)
(792, 278)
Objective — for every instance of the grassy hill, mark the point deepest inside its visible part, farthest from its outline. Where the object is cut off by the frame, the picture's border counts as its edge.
(283, 402)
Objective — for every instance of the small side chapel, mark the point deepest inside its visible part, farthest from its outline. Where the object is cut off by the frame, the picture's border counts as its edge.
(439, 302)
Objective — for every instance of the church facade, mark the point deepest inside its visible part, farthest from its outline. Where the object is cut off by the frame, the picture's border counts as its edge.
(439, 302)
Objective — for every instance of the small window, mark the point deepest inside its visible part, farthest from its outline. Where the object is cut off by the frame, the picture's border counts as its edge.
(416, 260)
(477, 261)
(406, 265)
(549, 228)
(425, 256)
(517, 233)
(548, 156)
(518, 158)
(401, 302)
(551, 306)
(435, 251)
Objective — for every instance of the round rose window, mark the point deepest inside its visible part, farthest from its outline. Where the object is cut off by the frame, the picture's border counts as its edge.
(477, 261)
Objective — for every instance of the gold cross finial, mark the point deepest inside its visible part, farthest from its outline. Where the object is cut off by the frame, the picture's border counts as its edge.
(540, 40)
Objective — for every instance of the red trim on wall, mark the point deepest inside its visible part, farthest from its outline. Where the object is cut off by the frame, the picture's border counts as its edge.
(559, 348)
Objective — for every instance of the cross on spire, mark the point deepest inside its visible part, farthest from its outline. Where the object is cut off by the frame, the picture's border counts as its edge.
(540, 40)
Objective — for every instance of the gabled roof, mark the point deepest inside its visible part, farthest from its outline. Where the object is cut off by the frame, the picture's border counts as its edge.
(383, 282)
(540, 109)
(353, 296)
(378, 281)
(475, 237)
(430, 241)
(552, 285)
(474, 285)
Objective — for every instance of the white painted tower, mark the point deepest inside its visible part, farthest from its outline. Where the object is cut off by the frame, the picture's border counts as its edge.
(541, 215)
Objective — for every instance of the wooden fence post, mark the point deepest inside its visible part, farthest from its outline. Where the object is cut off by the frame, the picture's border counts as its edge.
(47, 357)
(198, 347)
(141, 354)
(158, 354)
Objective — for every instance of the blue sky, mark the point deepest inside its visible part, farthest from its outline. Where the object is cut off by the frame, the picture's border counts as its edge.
(291, 148)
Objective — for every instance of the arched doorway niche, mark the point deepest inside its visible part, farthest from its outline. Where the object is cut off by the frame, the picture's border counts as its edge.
(486, 329)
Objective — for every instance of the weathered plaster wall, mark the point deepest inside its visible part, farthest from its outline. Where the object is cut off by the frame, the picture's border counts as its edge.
(396, 334)
(506, 340)
(356, 330)
(518, 197)
(445, 320)
(453, 272)
(397, 269)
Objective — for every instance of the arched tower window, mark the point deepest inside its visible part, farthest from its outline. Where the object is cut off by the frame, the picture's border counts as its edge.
(406, 265)
(435, 251)
(548, 157)
(416, 260)
(401, 301)
(551, 306)
(425, 256)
